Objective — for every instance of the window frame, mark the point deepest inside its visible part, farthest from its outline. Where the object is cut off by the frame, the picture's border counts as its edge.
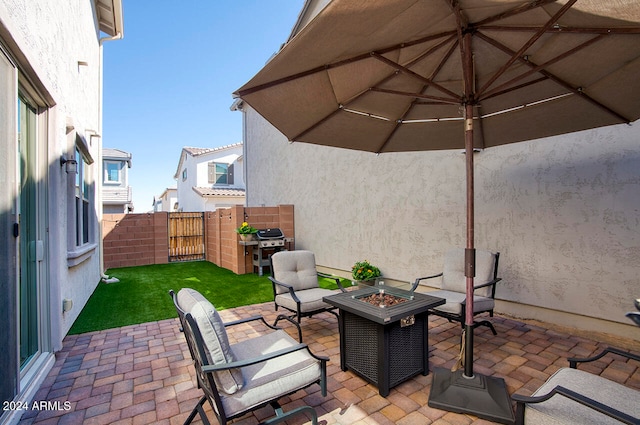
(213, 175)
(81, 210)
(106, 174)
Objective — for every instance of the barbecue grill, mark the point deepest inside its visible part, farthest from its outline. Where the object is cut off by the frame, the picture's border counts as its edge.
(270, 241)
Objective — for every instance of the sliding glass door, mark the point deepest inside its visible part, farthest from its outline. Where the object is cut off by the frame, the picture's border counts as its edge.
(31, 248)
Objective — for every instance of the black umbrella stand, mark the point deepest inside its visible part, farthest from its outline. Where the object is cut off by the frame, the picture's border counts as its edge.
(465, 392)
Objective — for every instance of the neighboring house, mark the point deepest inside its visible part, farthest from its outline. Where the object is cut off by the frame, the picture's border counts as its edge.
(50, 174)
(168, 201)
(563, 211)
(116, 192)
(210, 178)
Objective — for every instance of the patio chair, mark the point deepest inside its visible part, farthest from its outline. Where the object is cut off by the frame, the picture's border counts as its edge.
(453, 286)
(295, 284)
(572, 396)
(240, 378)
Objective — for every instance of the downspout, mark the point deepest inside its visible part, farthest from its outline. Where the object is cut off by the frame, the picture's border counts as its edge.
(101, 41)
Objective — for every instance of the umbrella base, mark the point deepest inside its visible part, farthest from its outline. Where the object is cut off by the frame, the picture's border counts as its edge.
(483, 396)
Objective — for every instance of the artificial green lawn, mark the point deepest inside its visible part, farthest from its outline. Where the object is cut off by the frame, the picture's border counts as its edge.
(142, 295)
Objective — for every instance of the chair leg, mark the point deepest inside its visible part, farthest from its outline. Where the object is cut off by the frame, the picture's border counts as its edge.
(198, 410)
(281, 416)
(487, 324)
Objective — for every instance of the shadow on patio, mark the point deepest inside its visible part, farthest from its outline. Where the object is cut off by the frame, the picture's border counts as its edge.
(142, 374)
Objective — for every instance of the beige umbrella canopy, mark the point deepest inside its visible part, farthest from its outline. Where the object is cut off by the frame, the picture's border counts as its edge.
(391, 75)
(416, 75)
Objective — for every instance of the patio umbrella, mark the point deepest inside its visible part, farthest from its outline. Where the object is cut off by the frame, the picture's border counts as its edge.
(416, 75)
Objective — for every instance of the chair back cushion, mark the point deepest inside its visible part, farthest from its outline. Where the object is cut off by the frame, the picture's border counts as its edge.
(214, 336)
(295, 268)
(453, 278)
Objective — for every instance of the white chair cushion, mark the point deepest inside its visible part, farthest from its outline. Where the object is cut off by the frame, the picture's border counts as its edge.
(273, 378)
(561, 410)
(215, 338)
(310, 299)
(453, 278)
(295, 268)
(455, 299)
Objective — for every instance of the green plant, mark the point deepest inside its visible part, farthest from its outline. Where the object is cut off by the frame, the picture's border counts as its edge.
(246, 229)
(363, 270)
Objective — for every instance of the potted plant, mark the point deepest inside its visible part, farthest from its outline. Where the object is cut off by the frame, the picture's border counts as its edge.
(363, 271)
(246, 231)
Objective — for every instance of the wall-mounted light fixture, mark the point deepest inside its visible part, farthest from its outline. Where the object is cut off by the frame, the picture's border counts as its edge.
(70, 165)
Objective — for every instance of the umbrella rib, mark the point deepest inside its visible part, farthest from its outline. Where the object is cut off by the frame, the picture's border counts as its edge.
(501, 88)
(557, 79)
(415, 75)
(435, 72)
(494, 93)
(564, 30)
(528, 44)
(340, 63)
(302, 74)
(444, 100)
(515, 11)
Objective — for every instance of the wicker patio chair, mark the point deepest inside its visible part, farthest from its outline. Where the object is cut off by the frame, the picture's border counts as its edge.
(295, 284)
(240, 378)
(453, 286)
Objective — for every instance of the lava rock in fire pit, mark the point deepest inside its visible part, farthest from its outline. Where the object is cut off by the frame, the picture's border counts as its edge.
(383, 300)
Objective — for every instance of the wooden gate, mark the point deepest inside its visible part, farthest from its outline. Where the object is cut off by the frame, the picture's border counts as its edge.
(186, 236)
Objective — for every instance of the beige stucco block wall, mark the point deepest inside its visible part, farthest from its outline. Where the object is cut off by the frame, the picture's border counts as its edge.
(564, 212)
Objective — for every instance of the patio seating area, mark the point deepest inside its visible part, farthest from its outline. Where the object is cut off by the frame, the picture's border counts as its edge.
(143, 374)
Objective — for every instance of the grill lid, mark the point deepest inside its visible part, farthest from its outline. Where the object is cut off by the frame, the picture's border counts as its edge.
(275, 233)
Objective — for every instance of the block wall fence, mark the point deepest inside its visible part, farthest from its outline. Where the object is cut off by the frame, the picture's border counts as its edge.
(141, 239)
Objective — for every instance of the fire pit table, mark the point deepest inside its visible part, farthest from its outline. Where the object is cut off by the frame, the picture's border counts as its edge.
(384, 334)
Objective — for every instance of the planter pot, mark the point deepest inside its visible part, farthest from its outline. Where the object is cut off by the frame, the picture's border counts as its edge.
(374, 281)
(247, 237)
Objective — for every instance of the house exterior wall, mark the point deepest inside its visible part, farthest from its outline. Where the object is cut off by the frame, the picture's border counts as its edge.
(197, 176)
(45, 42)
(166, 201)
(563, 212)
(116, 196)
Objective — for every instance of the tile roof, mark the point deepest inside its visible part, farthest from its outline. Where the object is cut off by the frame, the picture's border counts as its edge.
(193, 151)
(216, 191)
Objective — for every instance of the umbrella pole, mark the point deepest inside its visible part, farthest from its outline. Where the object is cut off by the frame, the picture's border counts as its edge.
(470, 252)
(480, 395)
(458, 391)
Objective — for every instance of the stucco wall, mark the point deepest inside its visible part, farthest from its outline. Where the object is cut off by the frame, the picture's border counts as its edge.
(564, 212)
(48, 39)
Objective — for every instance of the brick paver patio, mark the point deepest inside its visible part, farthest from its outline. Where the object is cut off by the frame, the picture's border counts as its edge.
(142, 374)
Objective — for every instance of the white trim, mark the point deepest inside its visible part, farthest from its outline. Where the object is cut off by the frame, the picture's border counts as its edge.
(36, 375)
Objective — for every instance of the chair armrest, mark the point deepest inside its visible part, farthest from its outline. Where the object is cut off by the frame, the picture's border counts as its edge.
(417, 281)
(264, 321)
(263, 358)
(573, 362)
(286, 286)
(579, 398)
(490, 283)
(248, 319)
(337, 279)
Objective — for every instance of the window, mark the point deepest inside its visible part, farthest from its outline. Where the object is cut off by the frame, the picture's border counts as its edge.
(184, 174)
(112, 172)
(81, 207)
(82, 200)
(220, 173)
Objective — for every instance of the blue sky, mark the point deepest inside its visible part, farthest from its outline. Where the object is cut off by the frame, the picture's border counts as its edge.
(168, 82)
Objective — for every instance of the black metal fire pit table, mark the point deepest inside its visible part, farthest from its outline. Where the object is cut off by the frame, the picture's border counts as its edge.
(386, 345)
